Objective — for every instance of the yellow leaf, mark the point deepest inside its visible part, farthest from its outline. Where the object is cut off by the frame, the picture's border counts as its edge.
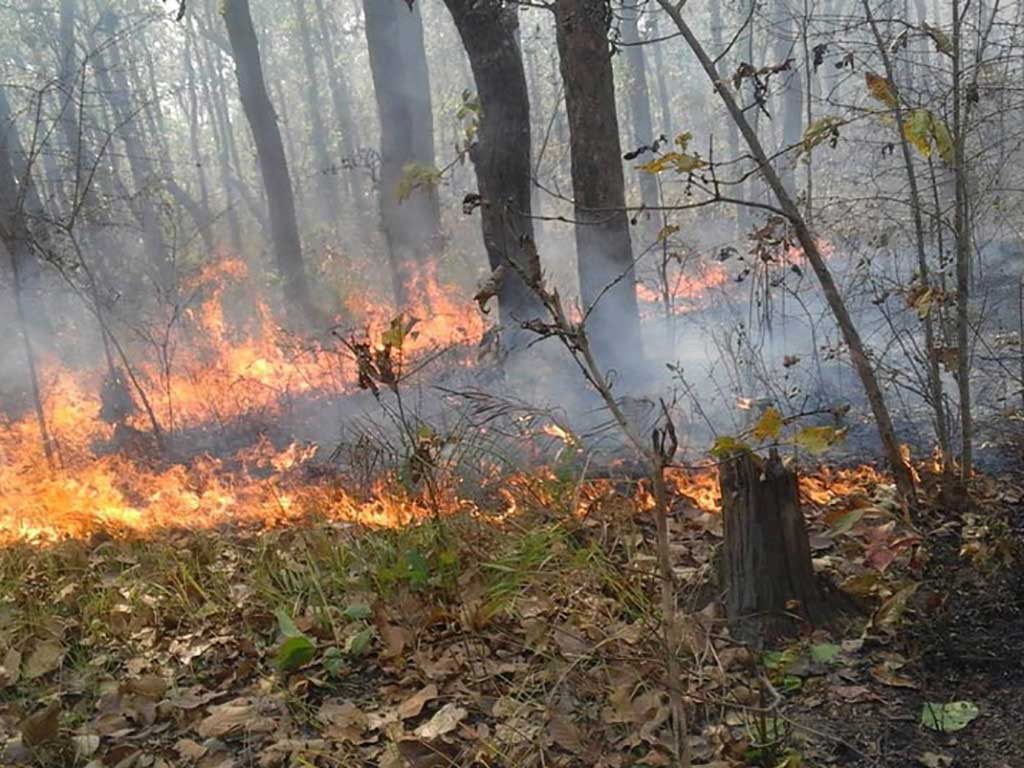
(880, 89)
(657, 165)
(819, 132)
(683, 140)
(943, 141)
(726, 446)
(942, 42)
(819, 439)
(918, 130)
(769, 425)
(666, 232)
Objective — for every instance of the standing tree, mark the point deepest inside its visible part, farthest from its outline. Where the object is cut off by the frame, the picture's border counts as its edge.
(640, 108)
(603, 248)
(409, 207)
(501, 154)
(270, 151)
(809, 244)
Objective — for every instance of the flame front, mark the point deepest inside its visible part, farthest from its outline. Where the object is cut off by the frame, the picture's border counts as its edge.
(120, 482)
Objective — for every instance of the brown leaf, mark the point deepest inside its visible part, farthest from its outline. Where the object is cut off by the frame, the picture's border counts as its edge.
(189, 749)
(419, 754)
(563, 732)
(10, 670)
(887, 674)
(148, 686)
(44, 659)
(445, 720)
(412, 706)
(345, 721)
(394, 638)
(42, 727)
(238, 715)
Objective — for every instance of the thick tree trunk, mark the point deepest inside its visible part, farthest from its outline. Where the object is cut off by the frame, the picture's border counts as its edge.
(771, 587)
(809, 244)
(270, 151)
(664, 101)
(603, 247)
(345, 127)
(329, 202)
(502, 153)
(640, 109)
(790, 99)
(398, 62)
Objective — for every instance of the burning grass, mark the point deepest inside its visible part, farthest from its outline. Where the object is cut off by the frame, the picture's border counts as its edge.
(491, 637)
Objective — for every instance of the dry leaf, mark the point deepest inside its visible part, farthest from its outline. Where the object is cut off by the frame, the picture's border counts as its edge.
(563, 732)
(412, 706)
(189, 749)
(445, 720)
(44, 659)
(238, 715)
(41, 727)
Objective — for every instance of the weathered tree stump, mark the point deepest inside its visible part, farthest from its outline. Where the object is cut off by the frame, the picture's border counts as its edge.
(771, 588)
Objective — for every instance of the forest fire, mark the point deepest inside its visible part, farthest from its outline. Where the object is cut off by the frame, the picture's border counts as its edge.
(110, 472)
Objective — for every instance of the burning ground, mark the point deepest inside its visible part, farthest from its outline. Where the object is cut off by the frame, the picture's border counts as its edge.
(226, 595)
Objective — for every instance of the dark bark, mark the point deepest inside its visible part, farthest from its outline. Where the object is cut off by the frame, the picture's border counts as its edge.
(603, 248)
(771, 588)
(401, 84)
(329, 202)
(501, 155)
(640, 110)
(259, 112)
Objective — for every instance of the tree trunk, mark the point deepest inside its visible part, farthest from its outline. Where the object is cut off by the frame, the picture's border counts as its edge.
(640, 109)
(329, 203)
(502, 152)
(345, 128)
(858, 352)
(144, 179)
(771, 587)
(270, 151)
(603, 248)
(664, 101)
(398, 62)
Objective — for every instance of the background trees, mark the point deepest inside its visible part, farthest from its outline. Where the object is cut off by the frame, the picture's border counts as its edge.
(894, 139)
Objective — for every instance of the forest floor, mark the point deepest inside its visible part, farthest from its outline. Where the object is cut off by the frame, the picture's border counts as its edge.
(526, 639)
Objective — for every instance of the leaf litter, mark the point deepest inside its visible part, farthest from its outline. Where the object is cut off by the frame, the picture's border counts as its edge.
(457, 641)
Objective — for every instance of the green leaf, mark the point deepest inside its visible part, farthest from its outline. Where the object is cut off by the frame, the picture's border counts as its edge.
(726, 446)
(417, 568)
(825, 653)
(946, 718)
(357, 612)
(820, 131)
(416, 176)
(333, 661)
(359, 643)
(294, 652)
(847, 521)
(286, 625)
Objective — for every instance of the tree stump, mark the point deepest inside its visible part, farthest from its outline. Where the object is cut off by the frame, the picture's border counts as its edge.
(771, 588)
